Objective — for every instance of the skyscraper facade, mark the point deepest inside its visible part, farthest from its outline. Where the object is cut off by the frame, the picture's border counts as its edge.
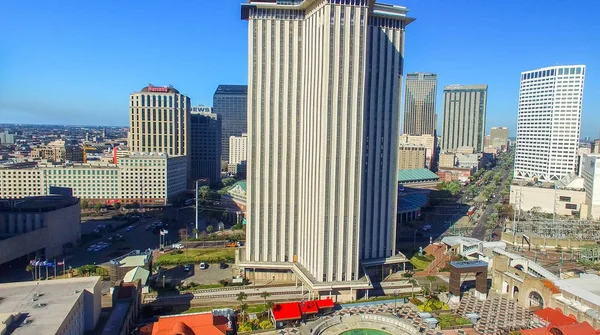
(463, 123)
(499, 137)
(238, 149)
(205, 148)
(230, 103)
(419, 104)
(159, 121)
(549, 122)
(324, 99)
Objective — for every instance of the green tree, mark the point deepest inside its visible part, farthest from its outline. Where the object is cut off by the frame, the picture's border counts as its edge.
(431, 279)
(265, 295)
(241, 297)
(97, 207)
(210, 228)
(86, 270)
(270, 306)
(204, 191)
(195, 232)
(85, 204)
(31, 269)
(559, 248)
(117, 205)
(228, 181)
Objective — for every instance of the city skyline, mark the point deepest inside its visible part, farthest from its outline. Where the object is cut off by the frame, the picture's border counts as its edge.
(73, 80)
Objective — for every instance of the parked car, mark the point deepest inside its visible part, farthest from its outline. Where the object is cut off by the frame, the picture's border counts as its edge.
(426, 228)
(177, 246)
(223, 265)
(187, 268)
(203, 266)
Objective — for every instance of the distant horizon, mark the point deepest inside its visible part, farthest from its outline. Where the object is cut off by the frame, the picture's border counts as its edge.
(61, 67)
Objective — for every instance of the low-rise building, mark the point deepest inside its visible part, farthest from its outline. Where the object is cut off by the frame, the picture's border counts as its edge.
(55, 307)
(451, 174)
(126, 302)
(447, 160)
(565, 198)
(58, 151)
(146, 178)
(38, 228)
(469, 161)
(190, 324)
(427, 141)
(465, 150)
(591, 176)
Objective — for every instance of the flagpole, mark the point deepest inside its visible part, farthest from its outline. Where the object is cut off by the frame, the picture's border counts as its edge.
(46, 271)
(55, 268)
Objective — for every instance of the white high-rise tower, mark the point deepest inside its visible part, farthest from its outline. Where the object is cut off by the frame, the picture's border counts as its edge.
(549, 122)
(324, 84)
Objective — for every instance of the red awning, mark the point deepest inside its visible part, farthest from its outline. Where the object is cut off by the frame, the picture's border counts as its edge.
(287, 311)
(309, 307)
(325, 303)
(554, 317)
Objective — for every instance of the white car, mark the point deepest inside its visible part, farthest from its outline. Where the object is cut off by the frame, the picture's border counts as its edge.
(203, 266)
(91, 247)
(177, 246)
(426, 227)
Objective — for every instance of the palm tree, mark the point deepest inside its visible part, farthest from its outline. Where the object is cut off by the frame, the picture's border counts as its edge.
(431, 279)
(241, 297)
(243, 309)
(412, 286)
(270, 306)
(265, 295)
(210, 228)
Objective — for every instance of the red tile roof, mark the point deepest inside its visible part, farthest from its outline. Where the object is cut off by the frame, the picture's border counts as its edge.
(287, 311)
(535, 331)
(191, 324)
(576, 329)
(554, 317)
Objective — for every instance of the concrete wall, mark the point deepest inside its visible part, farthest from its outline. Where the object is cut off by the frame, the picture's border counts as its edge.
(24, 244)
(544, 242)
(528, 197)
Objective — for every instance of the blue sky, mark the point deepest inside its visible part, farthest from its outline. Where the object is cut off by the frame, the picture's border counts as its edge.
(75, 62)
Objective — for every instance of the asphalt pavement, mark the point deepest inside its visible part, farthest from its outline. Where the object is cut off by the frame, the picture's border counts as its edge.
(480, 231)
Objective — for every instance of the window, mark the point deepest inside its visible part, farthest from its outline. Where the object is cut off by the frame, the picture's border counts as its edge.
(570, 206)
(566, 199)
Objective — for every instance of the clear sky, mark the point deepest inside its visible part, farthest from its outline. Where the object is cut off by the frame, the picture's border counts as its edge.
(76, 62)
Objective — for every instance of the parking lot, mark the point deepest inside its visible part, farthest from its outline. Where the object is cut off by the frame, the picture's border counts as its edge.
(211, 275)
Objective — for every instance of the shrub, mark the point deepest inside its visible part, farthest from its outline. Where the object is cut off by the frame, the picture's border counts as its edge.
(266, 324)
(245, 327)
(415, 301)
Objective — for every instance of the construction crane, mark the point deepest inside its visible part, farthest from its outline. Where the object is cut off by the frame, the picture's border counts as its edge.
(85, 150)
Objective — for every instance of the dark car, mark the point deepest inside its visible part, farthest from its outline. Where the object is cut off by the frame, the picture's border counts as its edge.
(223, 265)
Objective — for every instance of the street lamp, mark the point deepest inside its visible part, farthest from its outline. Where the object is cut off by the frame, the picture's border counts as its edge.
(196, 209)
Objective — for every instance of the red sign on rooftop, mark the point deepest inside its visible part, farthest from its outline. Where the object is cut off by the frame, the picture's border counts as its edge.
(157, 89)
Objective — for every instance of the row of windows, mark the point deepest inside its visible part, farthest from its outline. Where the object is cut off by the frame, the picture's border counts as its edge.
(547, 73)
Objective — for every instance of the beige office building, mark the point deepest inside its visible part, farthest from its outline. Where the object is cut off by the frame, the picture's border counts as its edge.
(323, 116)
(159, 121)
(237, 149)
(58, 151)
(51, 307)
(147, 178)
(447, 160)
(499, 138)
(411, 157)
(429, 142)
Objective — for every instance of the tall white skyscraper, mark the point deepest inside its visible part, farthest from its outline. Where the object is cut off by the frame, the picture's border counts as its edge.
(323, 116)
(238, 149)
(549, 122)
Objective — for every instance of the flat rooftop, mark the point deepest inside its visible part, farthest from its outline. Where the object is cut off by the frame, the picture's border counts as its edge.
(45, 203)
(44, 303)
